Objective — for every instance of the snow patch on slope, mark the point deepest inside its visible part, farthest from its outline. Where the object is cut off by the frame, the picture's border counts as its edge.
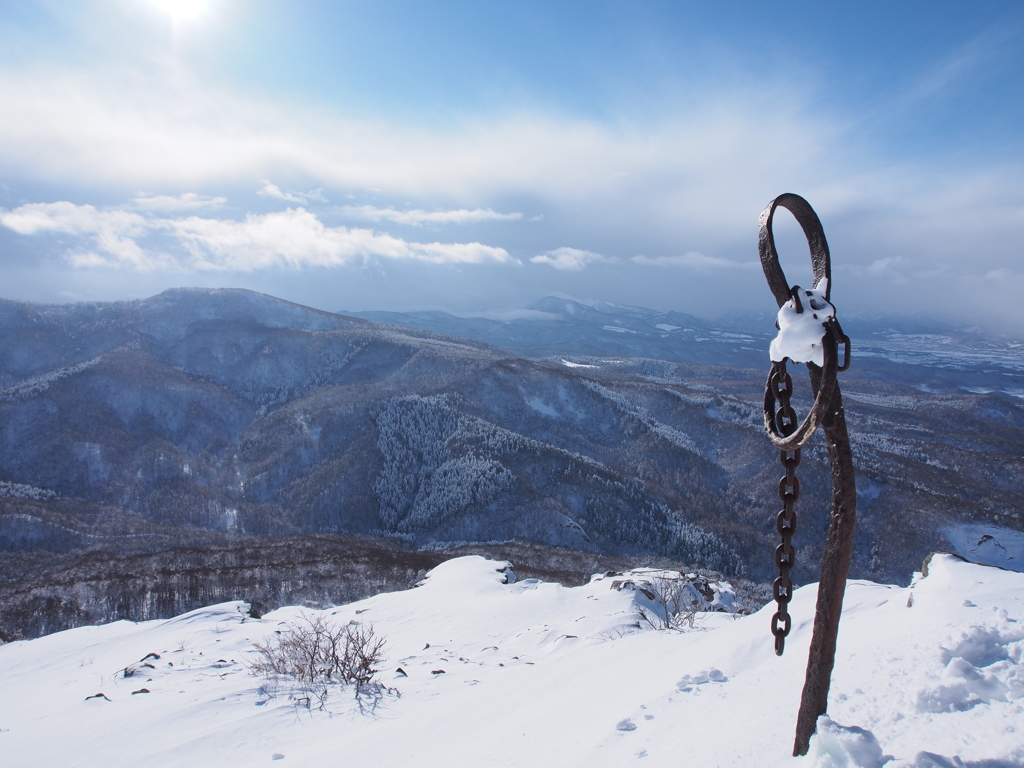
(988, 544)
(38, 384)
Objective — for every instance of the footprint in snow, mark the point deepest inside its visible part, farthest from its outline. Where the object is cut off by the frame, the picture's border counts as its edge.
(979, 669)
(712, 675)
(626, 725)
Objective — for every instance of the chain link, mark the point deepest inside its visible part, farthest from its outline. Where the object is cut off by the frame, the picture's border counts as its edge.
(789, 491)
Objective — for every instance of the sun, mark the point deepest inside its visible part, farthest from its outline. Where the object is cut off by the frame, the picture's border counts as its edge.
(181, 10)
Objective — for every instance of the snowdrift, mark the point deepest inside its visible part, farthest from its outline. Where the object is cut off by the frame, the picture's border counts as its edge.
(535, 674)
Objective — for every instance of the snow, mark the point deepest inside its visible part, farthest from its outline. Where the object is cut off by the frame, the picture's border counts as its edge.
(538, 404)
(988, 544)
(666, 327)
(24, 390)
(800, 333)
(535, 674)
(570, 364)
(836, 746)
(22, 491)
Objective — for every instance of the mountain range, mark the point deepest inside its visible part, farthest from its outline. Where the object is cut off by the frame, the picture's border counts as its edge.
(202, 419)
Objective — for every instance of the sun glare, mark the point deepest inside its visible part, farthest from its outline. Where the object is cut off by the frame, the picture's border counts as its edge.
(180, 10)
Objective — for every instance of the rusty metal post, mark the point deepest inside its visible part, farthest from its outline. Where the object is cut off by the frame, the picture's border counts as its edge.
(828, 412)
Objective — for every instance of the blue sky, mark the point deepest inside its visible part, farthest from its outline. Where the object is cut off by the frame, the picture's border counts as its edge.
(475, 157)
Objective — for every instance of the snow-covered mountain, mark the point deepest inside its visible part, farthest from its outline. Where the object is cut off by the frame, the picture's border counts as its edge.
(206, 421)
(925, 355)
(482, 672)
(554, 326)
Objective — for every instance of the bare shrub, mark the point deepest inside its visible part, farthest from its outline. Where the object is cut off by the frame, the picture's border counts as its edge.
(318, 656)
(674, 602)
(363, 650)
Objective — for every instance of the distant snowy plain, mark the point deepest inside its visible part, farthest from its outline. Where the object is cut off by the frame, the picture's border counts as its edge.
(536, 674)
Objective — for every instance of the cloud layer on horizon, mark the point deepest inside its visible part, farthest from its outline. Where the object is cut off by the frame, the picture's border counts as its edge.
(683, 188)
(694, 260)
(418, 218)
(293, 238)
(569, 259)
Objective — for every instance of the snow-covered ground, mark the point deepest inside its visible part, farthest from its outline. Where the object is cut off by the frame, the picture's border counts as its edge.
(535, 674)
(988, 544)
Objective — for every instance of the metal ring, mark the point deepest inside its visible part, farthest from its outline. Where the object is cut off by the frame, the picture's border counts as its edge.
(784, 553)
(783, 385)
(776, 629)
(785, 420)
(782, 590)
(786, 482)
(785, 523)
(790, 462)
(821, 260)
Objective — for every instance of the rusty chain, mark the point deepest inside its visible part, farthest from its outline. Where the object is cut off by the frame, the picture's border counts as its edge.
(781, 385)
(788, 434)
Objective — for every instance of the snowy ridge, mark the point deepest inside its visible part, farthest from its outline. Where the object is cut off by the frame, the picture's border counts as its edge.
(988, 544)
(39, 384)
(724, 408)
(416, 431)
(23, 491)
(440, 463)
(638, 412)
(262, 390)
(530, 673)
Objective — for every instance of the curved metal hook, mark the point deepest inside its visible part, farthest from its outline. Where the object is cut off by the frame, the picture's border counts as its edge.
(821, 261)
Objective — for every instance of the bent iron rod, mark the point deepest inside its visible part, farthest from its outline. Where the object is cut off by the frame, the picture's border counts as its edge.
(828, 412)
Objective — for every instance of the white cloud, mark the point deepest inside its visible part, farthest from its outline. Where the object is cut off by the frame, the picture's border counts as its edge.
(569, 259)
(272, 190)
(705, 173)
(977, 52)
(1000, 274)
(887, 266)
(418, 218)
(688, 179)
(694, 260)
(67, 126)
(293, 238)
(297, 238)
(112, 232)
(185, 202)
(65, 217)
